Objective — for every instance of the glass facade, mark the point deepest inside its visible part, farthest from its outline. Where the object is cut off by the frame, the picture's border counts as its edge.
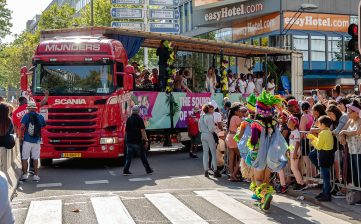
(186, 14)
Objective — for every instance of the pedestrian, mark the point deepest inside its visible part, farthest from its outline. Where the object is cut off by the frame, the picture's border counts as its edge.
(295, 155)
(324, 146)
(207, 127)
(136, 141)
(163, 54)
(6, 127)
(271, 86)
(211, 81)
(294, 108)
(251, 87)
(352, 135)
(19, 113)
(6, 214)
(30, 136)
(305, 126)
(193, 132)
(234, 121)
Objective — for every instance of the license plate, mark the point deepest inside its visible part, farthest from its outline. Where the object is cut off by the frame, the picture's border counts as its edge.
(71, 155)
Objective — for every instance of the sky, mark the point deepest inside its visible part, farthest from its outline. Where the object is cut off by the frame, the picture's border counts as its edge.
(22, 11)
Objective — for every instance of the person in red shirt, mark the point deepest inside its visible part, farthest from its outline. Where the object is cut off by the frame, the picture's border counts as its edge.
(155, 79)
(193, 132)
(20, 112)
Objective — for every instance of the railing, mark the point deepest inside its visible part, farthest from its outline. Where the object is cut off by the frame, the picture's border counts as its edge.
(345, 173)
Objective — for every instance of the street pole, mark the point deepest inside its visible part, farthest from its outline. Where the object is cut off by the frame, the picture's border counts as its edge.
(91, 12)
(146, 60)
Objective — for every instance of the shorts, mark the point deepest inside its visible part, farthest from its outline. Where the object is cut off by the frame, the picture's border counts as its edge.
(33, 148)
(305, 147)
(196, 140)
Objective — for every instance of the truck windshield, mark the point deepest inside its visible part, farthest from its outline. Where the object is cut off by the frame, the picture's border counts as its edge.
(74, 79)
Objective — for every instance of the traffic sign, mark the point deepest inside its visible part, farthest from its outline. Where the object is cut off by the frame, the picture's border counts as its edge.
(164, 2)
(163, 14)
(164, 27)
(128, 25)
(127, 13)
(127, 2)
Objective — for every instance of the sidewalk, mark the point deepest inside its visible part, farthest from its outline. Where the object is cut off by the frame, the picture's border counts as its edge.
(338, 205)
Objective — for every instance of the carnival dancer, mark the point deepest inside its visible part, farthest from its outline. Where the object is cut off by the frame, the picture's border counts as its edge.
(242, 136)
(267, 147)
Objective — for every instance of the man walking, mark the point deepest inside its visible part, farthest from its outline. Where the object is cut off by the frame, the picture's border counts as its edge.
(136, 140)
(30, 136)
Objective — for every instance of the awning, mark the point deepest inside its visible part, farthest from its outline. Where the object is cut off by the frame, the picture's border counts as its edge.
(182, 43)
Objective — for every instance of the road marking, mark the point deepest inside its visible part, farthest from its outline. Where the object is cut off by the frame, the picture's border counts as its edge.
(109, 210)
(49, 185)
(180, 177)
(173, 209)
(48, 212)
(140, 179)
(305, 212)
(234, 208)
(97, 182)
(111, 172)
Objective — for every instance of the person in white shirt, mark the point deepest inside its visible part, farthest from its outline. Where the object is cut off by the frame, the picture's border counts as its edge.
(271, 86)
(242, 83)
(211, 81)
(232, 83)
(259, 82)
(251, 88)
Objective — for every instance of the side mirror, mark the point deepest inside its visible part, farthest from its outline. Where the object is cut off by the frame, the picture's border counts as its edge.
(24, 79)
(128, 77)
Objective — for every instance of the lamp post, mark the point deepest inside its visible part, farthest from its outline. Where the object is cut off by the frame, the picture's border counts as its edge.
(92, 12)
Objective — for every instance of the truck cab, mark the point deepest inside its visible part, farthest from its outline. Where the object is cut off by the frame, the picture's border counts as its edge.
(89, 80)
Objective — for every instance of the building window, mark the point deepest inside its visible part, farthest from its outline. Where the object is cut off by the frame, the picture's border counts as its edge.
(191, 15)
(187, 16)
(318, 48)
(300, 43)
(334, 48)
(181, 23)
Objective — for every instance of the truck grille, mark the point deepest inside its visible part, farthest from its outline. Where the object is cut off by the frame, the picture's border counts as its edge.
(64, 123)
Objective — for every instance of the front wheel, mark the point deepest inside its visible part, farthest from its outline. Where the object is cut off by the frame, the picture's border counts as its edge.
(46, 162)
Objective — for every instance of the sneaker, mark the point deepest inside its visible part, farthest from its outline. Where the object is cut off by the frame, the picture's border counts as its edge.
(319, 196)
(324, 197)
(24, 177)
(255, 197)
(267, 202)
(31, 172)
(126, 173)
(299, 187)
(150, 171)
(217, 174)
(36, 178)
(337, 194)
(206, 174)
(283, 189)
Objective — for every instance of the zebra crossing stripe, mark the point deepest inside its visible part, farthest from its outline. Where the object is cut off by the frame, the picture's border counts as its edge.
(111, 210)
(234, 208)
(49, 212)
(307, 213)
(174, 210)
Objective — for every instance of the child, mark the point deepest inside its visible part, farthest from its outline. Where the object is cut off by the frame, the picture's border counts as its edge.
(324, 146)
(285, 131)
(295, 154)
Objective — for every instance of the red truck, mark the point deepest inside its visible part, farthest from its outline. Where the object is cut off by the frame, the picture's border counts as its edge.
(89, 82)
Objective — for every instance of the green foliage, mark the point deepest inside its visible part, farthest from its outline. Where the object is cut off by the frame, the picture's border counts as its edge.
(57, 17)
(102, 15)
(5, 17)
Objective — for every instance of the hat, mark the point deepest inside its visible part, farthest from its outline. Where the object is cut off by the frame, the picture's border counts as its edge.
(196, 109)
(135, 109)
(213, 104)
(31, 105)
(292, 102)
(251, 103)
(266, 104)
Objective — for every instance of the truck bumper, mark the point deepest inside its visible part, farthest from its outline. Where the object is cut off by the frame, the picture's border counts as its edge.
(92, 152)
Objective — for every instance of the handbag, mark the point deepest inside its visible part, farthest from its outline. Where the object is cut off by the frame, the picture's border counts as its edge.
(215, 137)
(7, 141)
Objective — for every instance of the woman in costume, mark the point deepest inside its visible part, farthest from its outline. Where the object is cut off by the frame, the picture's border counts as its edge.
(242, 136)
(267, 147)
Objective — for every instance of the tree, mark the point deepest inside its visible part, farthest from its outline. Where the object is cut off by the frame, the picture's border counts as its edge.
(5, 17)
(102, 15)
(57, 17)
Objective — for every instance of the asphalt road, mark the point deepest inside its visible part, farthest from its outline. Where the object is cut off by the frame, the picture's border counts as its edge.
(95, 191)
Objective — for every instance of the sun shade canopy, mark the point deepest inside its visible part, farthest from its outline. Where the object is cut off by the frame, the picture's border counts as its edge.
(181, 43)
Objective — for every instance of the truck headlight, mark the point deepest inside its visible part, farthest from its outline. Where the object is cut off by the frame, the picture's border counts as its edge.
(110, 140)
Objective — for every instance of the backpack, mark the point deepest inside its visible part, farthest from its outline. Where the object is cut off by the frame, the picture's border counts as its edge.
(193, 126)
(34, 127)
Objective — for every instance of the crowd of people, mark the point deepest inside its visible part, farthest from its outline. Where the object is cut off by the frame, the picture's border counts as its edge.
(292, 141)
